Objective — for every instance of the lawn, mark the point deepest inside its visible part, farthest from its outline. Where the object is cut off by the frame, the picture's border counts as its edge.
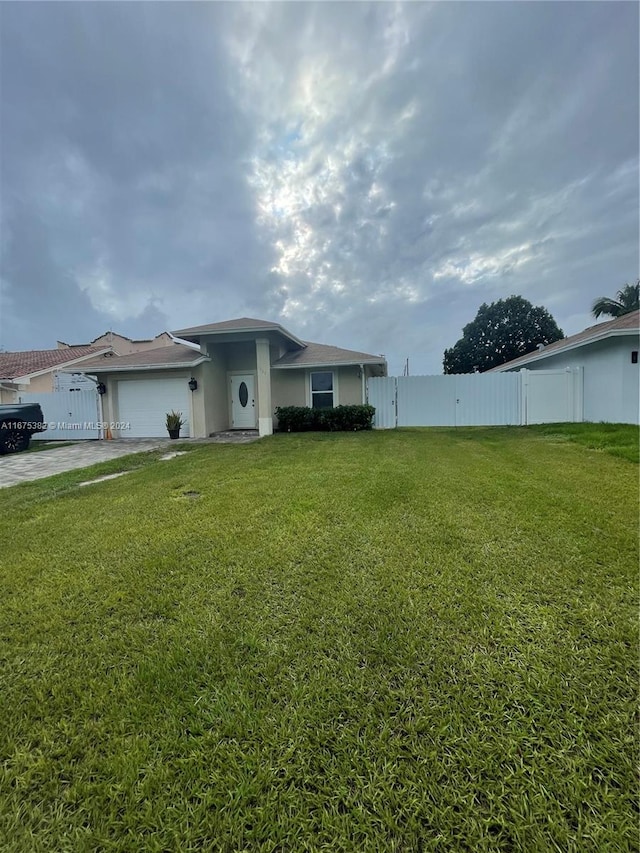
(417, 640)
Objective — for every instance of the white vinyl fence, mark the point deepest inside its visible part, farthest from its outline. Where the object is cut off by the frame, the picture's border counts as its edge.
(477, 399)
(70, 414)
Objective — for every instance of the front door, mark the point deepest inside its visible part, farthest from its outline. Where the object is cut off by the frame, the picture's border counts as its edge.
(243, 404)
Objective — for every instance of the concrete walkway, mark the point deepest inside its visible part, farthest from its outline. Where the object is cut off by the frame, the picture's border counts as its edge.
(21, 467)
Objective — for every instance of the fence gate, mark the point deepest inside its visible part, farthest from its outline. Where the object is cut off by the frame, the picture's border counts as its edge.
(70, 414)
(552, 396)
(381, 394)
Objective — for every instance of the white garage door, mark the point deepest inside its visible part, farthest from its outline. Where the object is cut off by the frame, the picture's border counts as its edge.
(144, 403)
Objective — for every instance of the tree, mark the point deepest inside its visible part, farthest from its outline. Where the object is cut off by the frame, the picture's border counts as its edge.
(501, 331)
(626, 301)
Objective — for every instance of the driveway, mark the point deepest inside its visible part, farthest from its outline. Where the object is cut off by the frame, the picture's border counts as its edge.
(20, 467)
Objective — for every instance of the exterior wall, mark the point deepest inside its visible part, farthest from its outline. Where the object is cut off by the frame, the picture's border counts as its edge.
(349, 386)
(288, 388)
(610, 380)
(214, 390)
(291, 387)
(8, 395)
(241, 356)
(41, 384)
(263, 376)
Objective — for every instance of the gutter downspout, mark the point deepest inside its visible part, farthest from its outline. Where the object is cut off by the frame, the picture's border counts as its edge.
(364, 385)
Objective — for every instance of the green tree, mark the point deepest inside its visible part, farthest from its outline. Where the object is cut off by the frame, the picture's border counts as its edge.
(626, 301)
(500, 332)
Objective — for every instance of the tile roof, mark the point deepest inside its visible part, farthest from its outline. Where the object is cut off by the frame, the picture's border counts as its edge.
(620, 325)
(322, 354)
(175, 355)
(16, 364)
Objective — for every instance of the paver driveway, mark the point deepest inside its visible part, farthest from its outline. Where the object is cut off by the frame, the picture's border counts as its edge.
(20, 467)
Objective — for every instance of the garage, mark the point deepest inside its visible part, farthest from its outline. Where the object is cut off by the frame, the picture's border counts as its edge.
(144, 403)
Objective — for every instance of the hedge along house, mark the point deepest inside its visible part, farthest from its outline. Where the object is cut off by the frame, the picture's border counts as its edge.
(240, 373)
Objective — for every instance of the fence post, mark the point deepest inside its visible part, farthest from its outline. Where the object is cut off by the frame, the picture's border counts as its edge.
(524, 393)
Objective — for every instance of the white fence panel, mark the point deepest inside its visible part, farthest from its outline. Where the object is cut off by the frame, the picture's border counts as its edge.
(70, 414)
(478, 399)
(487, 399)
(552, 396)
(426, 401)
(381, 394)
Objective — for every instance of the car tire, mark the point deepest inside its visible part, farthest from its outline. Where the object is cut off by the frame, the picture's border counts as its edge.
(14, 441)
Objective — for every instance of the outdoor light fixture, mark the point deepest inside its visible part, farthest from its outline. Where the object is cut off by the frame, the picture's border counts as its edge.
(101, 388)
(193, 384)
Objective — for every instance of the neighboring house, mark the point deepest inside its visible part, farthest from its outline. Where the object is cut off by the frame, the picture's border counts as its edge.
(122, 345)
(608, 354)
(44, 371)
(243, 368)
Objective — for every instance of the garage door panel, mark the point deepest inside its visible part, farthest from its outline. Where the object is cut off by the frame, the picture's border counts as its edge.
(144, 404)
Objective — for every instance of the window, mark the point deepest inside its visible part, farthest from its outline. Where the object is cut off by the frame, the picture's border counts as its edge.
(634, 356)
(322, 390)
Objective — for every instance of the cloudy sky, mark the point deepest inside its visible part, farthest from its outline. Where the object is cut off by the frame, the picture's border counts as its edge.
(367, 174)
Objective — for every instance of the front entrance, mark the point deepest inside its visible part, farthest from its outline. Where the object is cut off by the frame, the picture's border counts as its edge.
(243, 403)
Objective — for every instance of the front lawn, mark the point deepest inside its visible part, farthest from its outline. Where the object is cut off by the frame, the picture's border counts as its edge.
(418, 640)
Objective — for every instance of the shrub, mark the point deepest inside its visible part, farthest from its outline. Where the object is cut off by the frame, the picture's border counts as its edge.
(340, 418)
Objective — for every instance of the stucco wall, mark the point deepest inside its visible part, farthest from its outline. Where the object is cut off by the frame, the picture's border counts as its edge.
(241, 356)
(41, 384)
(7, 395)
(349, 387)
(292, 387)
(288, 388)
(610, 380)
(215, 390)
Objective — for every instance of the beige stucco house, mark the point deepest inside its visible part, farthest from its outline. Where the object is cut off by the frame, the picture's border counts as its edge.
(231, 375)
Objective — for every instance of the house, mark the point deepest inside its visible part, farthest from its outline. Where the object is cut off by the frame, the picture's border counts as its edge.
(44, 371)
(608, 355)
(121, 344)
(233, 376)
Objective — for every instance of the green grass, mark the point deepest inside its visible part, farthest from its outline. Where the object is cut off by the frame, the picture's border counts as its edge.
(617, 439)
(420, 640)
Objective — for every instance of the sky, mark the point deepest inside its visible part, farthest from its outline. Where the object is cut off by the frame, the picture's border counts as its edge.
(366, 174)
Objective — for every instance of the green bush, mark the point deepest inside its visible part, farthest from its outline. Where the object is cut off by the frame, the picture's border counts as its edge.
(340, 418)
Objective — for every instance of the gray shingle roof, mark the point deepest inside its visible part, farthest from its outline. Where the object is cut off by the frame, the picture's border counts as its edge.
(620, 325)
(241, 324)
(321, 354)
(177, 355)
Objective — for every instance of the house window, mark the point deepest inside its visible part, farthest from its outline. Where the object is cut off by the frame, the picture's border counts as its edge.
(634, 356)
(322, 390)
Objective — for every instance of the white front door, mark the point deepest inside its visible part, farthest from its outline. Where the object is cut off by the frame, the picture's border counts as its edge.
(243, 403)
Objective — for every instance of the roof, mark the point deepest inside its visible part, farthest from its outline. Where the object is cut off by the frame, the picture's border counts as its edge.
(242, 324)
(628, 324)
(18, 364)
(323, 355)
(173, 356)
